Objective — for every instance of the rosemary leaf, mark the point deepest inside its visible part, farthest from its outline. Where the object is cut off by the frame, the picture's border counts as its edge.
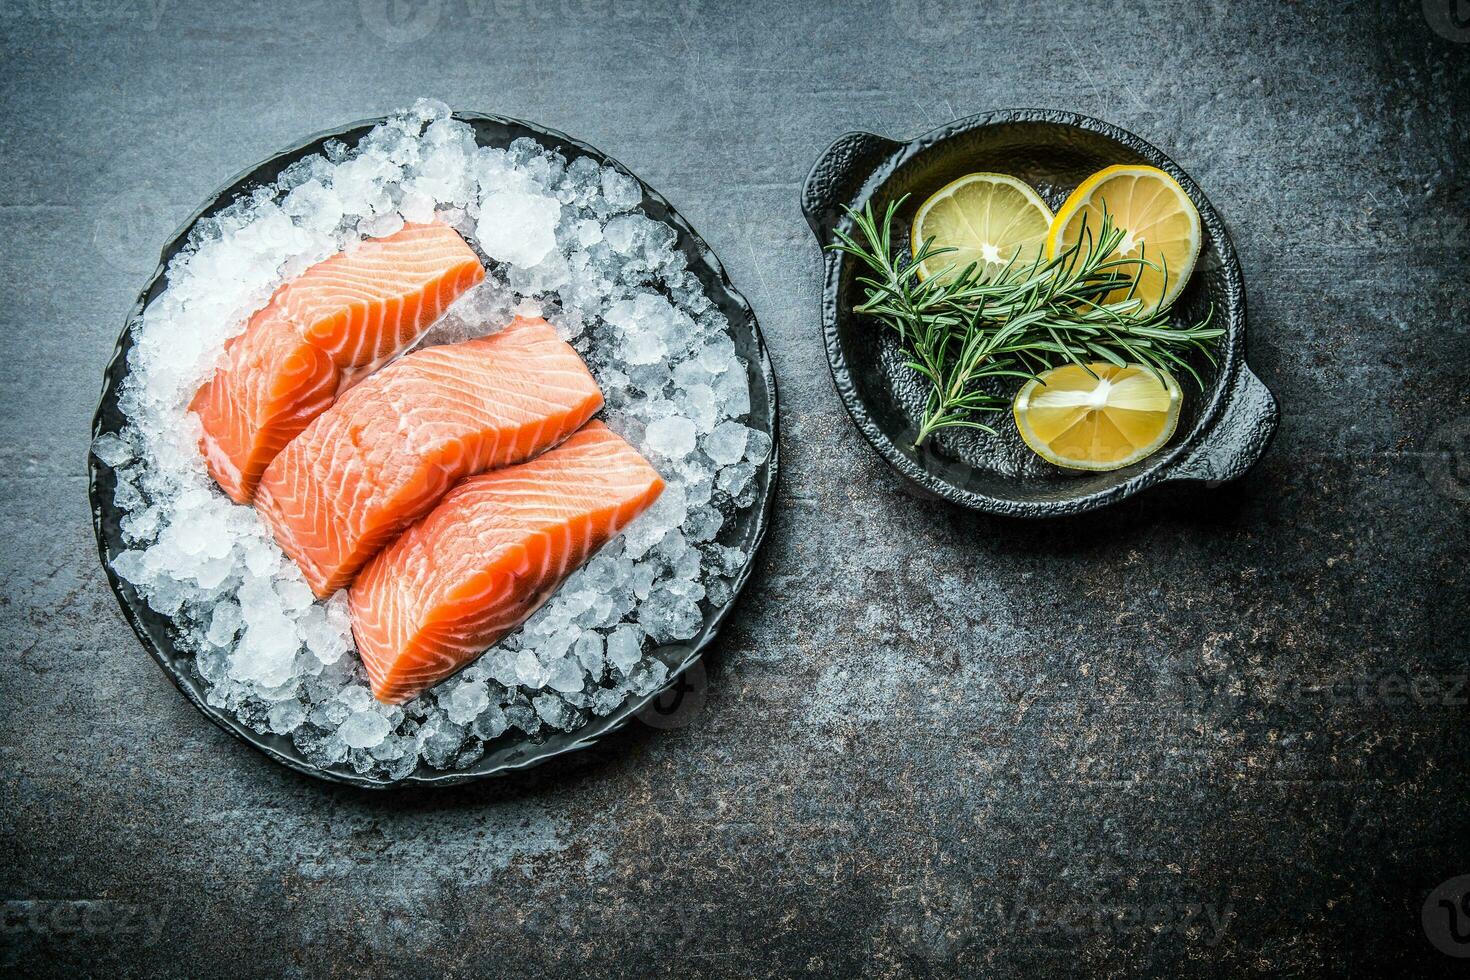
(962, 329)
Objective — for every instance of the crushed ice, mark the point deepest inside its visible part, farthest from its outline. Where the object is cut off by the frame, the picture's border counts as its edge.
(566, 240)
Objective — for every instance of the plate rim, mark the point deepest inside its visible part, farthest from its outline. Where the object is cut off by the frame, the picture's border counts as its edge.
(424, 775)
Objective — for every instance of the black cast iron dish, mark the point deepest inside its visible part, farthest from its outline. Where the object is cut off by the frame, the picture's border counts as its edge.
(1222, 430)
(511, 751)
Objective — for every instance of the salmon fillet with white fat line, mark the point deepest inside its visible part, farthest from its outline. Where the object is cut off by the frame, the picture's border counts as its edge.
(496, 547)
(320, 333)
(384, 454)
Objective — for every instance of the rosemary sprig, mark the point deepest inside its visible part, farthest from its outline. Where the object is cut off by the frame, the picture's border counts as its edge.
(961, 328)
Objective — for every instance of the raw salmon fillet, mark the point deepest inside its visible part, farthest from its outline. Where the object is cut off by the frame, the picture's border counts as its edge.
(495, 548)
(334, 324)
(383, 455)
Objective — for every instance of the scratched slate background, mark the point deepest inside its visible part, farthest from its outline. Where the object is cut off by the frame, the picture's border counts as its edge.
(1170, 739)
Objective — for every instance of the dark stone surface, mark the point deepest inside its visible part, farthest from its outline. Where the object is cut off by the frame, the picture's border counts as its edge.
(933, 743)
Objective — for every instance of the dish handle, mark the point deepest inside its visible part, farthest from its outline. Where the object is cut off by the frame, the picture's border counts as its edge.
(1239, 439)
(837, 176)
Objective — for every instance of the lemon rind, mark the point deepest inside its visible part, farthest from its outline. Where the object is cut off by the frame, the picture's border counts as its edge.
(1080, 196)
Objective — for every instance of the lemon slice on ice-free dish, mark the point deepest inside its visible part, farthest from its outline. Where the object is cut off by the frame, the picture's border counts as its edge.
(989, 219)
(1161, 222)
(1102, 417)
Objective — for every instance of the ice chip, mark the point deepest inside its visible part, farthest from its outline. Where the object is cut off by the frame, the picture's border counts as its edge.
(624, 647)
(490, 723)
(285, 716)
(758, 446)
(732, 390)
(672, 437)
(619, 190)
(363, 729)
(224, 622)
(589, 653)
(428, 110)
(440, 742)
(565, 675)
(112, 449)
(733, 479)
(553, 711)
(322, 749)
(529, 670)
(703, 524)
(266, 652)
(648, 676)
(466, 701)
(518, 227)
(357, 697)
(726, 444)
(606, 701)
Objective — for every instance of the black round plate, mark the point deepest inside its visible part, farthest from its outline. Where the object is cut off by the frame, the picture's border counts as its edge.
(510, 751)
(1222, 430)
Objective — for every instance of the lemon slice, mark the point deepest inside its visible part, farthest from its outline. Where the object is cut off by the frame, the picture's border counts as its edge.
(1103, 420)
(1161, 222)
(988, 219)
